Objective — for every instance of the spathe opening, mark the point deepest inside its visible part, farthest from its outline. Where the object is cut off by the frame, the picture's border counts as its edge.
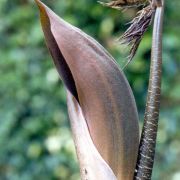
(58, 58)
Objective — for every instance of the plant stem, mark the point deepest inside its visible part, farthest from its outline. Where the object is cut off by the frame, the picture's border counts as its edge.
(149, 133)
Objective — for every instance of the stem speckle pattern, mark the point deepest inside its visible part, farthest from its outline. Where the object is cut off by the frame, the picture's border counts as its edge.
(149, 134)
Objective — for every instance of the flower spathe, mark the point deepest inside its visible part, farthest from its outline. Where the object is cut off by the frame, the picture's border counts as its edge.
(101, 93)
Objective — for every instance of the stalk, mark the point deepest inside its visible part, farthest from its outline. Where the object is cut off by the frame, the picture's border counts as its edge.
(147, 145)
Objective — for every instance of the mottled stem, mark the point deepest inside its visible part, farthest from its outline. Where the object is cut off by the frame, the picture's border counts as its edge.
(149, 133)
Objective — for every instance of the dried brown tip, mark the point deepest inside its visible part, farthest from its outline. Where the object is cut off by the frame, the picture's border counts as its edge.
(123, 4)
(135, 32)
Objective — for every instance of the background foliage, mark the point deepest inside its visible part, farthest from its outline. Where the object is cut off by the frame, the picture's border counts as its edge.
(35, 141)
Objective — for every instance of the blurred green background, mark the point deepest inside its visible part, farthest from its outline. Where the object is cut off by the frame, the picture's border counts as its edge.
(35, 138)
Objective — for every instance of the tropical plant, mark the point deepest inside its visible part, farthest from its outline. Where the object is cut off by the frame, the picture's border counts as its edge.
(101, 105)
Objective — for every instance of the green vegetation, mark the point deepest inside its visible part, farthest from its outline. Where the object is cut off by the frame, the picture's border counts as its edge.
(35, 140)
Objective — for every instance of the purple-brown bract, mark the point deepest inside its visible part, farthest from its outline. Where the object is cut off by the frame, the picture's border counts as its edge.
(99, 94)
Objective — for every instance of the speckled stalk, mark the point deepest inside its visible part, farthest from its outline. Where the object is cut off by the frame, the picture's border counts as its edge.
(149, 134)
